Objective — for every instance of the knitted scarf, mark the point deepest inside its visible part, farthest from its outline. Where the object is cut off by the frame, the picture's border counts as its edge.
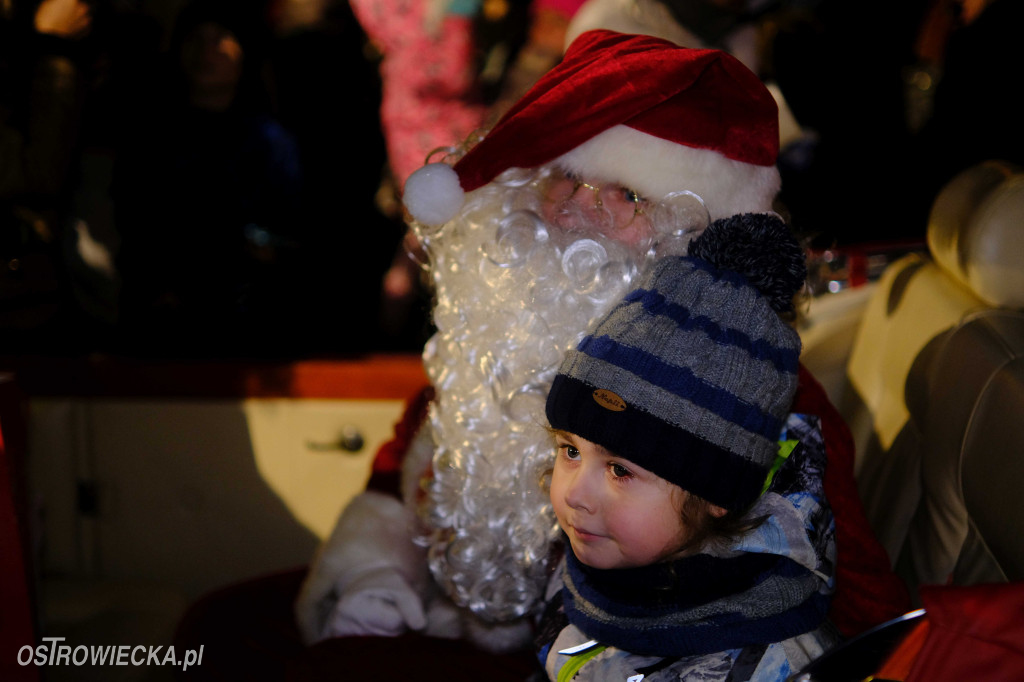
(768, 588)
(689, 607)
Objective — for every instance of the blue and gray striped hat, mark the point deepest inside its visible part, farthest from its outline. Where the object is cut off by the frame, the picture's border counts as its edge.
(692, 375)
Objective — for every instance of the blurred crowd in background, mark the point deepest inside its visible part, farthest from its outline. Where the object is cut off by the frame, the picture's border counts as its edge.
(220, 178)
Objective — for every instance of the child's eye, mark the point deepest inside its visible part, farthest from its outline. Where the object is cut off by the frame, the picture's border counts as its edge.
(571, 452)
(619, 471)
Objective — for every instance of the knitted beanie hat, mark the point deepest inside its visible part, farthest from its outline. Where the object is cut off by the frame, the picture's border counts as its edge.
(636, 110)
(692, 375)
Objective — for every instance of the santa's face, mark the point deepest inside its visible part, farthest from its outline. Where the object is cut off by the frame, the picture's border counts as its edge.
(594, 207)
(520, 275)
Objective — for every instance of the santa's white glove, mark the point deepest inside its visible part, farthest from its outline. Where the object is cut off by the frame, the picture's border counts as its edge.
(368, 574)
(379, 602)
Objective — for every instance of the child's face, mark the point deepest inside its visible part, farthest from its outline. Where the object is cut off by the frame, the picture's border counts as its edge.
(616, 514)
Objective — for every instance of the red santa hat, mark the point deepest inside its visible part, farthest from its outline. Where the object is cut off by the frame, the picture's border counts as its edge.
(636, 110)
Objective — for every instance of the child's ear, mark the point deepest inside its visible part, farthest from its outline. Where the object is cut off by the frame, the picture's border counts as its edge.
(716, 511)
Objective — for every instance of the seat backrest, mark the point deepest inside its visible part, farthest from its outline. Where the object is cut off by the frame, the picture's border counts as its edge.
(937, 353)
(966, 396)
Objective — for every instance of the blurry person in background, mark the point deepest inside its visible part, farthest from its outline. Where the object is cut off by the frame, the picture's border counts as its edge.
(448, 67)
(933, 94)
(40, 105)
(967, 73)
(36, 52)
(206, 194)
(326, 85)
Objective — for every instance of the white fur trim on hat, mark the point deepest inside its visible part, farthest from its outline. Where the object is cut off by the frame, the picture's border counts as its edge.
(655, 167)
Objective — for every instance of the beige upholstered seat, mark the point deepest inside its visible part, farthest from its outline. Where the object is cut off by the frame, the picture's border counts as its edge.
(966, 398)
(935, 392)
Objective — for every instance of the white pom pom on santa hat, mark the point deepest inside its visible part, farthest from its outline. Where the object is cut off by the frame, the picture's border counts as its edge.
(433, 194)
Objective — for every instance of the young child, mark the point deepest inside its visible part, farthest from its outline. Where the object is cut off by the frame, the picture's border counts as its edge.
(700, 546)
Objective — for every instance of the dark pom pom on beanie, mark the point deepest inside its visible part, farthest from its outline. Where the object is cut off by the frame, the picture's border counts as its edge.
(762, 249)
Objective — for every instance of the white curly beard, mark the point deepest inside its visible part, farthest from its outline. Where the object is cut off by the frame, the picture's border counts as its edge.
(513, 294)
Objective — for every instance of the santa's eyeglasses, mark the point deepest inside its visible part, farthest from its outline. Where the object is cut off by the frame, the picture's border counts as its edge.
(622, 203)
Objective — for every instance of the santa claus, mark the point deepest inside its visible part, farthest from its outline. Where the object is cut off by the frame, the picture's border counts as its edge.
(622, 153)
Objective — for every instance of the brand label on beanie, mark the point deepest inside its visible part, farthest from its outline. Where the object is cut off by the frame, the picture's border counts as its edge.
(609, 400)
